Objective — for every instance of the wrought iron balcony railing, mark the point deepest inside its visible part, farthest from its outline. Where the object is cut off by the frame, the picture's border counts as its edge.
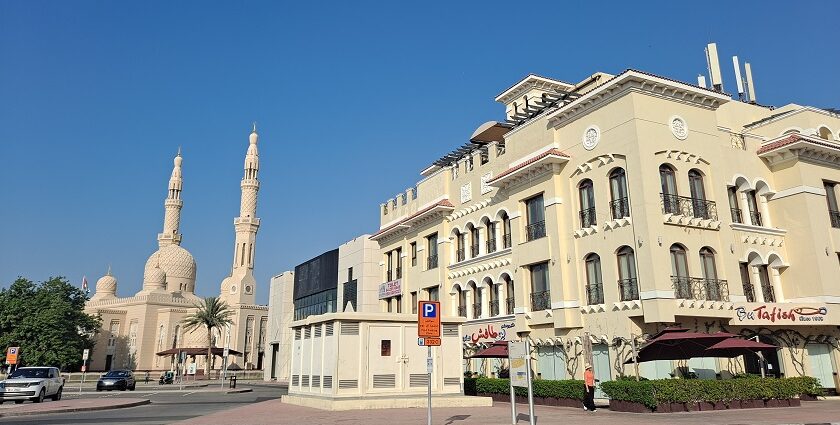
(506, 240)
(769, 295)
(749, 292)
(587, 218)
(459, 255)
(476, 310)
(494, 307)
(462, 311)
(389, 276)
(399, 272)
(474, 251)
(595, 293)
(755, 218)
(835, 218)
(509, 305)
(536, 230)
(491, 245)
(432, 262)
(689, 207)
(620, 208)
(628, 289)
(540, 300)
(736, 215)
(697, 288)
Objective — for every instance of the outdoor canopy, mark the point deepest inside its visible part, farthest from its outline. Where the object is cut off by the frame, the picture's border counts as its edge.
(497, 350)
(734, 347)
(679, 344)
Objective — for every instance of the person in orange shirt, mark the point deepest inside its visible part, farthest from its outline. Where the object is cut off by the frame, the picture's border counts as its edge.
(589, 385)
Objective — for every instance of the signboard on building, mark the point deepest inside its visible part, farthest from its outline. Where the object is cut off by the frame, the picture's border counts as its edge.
(428, 319)
(784, 314)
(12, 355)
(518, 356)
(390, 289)
(490, 332)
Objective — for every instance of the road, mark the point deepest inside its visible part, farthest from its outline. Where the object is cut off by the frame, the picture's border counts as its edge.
(166, 406)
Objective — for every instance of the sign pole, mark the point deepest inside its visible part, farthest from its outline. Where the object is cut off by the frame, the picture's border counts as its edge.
(512, 401)
(428, 334)
(530, 382)
(429, 365)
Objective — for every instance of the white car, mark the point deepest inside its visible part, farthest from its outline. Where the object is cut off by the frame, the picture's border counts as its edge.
(32, 383)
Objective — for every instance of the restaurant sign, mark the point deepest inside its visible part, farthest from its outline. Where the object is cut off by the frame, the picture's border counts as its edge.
(490, 332)
(390, 289)
(783, 314)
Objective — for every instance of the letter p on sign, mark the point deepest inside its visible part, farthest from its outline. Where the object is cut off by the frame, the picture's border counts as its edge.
(429, 310)
(428, 319)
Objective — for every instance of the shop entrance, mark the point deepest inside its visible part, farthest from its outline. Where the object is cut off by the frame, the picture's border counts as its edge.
(752, 364)
(819, 358)
(601, 366)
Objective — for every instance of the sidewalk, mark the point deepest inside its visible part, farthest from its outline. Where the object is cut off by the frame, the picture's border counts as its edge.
(64, 406)
(275, 412)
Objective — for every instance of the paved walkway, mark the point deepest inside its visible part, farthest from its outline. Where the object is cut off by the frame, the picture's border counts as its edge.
(275, 412)
(62, 406)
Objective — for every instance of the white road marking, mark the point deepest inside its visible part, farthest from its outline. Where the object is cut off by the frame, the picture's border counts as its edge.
(192, 392)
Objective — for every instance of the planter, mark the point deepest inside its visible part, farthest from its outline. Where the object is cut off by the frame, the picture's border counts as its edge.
(678, 407)
(719, 405)
(705, 406)
(794, 402)
(628, 406)
(692, 407)
(734, 404)
(752, 404)
(663, 408)
(771, 403)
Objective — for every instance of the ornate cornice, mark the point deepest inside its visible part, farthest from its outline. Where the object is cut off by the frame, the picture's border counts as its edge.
(596, 162)
(679, 155)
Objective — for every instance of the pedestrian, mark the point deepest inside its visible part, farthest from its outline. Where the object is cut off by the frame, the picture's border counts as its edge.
(589, 386)
(146, 377)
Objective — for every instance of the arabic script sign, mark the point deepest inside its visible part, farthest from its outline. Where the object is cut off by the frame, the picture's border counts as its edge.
(490, 332)
(390, 289)
(782, 314)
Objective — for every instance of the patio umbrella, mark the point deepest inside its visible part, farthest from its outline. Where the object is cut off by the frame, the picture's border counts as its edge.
(734, 347)
(498, 350)
(681, 345)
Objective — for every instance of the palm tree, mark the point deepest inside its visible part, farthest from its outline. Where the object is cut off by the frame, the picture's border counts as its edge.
(214, 313)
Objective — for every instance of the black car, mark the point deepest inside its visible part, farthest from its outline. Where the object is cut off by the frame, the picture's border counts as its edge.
(116, 380)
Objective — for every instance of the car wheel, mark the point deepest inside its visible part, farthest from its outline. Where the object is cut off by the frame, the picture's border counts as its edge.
(40, 397)
(133, 386)
(99, 389)
(57, 395)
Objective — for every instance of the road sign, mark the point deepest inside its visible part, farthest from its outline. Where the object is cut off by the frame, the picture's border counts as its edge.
(85, 354)
(84, 368)
(428, 319)
(518, 355)
(12, 355)
(430, 365)
(428, 342)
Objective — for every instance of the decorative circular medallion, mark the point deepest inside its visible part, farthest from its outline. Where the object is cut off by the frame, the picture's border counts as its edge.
(247, 289)
(232, 289)
(591, 137)
(678, 127)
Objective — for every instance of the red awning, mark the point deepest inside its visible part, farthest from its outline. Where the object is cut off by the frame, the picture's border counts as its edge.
(498, 350)
(197, 351)
(734, 347)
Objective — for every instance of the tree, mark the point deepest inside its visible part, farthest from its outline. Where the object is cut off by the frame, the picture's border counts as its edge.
(47, 321)
(214, 313)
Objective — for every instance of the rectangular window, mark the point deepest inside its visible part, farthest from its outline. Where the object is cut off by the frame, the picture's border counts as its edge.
(540, 294)
(485, 155)
(752, 204)
(350, 291)
(349, 274)
(414, 302)
(432, 259)
(737, 216)
(413, 253)
(831, 199)
(433, 294)
(389, 260)
(399, 263)
(469, 161)
(398, 302)
(385, 348)
(536, 217)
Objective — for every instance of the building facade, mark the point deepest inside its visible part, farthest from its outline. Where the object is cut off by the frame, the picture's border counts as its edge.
(137, 327)
(602, 211)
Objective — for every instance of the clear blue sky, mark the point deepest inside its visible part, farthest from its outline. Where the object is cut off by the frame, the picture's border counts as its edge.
(352, 100)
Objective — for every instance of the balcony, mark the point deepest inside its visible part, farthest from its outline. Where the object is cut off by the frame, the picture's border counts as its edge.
(535, 230)
(769, 295)
(736, 215)
(628, 289)
(595, 294)
(696, 288)
(540, 300)
(689, 207)
(749, 293)
(620, 208)
(509, 305)
(399, 272)
(462, 311)
(587, 218)
(474, 251)
(835, 218)
(755, 218)
(389, 276)
(432, 262)
(476, 310)
(506, 241)
(491, 245)
(494, 307)
(460, 255)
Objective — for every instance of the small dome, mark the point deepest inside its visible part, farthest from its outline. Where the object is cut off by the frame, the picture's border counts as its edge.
(254, 136)
(155, 277)
(106, 284)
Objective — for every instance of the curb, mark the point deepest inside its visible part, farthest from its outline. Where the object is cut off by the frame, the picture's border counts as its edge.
(76, 409)
(242, 390)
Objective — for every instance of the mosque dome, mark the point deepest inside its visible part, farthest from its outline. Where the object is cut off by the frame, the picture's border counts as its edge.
(177, 266)
(154, 277)
(106, 285)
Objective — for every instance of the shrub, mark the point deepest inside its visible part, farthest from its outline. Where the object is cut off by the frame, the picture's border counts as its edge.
(571, 389)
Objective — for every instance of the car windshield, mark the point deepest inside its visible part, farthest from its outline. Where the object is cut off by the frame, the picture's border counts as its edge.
(116, 374)
(36, 372)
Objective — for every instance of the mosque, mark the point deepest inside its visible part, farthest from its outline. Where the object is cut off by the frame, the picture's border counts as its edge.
(136, 328)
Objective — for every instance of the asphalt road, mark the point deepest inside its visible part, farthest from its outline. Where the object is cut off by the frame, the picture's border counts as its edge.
(167, 406)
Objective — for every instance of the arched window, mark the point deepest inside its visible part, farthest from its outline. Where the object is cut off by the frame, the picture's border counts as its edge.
(587, 204)
(474, 241)
(714, 289)
(670, 197)
(825, 133)
(477, 298)
(494, 298)
(627, 283)
(510, 302)
(460, 246)
(491, 235)
(619, 205)
(506, 238)
(462, 303)
(594, 283)
(700, 207)
(679, 272)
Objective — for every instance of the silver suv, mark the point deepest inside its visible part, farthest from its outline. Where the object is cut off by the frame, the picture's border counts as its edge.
(32, 383)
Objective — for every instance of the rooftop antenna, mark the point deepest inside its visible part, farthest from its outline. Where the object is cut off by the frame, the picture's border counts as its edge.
(701, 80)
(714, 66)
(738, 79)
(750, 86)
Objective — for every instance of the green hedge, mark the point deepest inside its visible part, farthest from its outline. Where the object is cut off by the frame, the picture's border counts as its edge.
(651, 393)
(542, 387)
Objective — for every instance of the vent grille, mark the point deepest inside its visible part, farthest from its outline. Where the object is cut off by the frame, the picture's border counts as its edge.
(316, 381)
(451, 381)
(384, 381)
(418, 380)
(330, 328)
(297, 333)
(350, 328)
(318, 331)
(327, 382)
(304, 380)
(345, 384)
(295, 380)
(450, 330)
(307, 332)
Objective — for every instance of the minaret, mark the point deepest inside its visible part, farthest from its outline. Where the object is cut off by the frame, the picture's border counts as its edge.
(240, 286)
(172, 207)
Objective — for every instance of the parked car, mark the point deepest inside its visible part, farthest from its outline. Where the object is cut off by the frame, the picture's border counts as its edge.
(116, 380)
(32, 383)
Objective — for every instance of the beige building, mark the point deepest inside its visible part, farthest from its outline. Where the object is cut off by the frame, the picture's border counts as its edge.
(610, 208)
(134, 328)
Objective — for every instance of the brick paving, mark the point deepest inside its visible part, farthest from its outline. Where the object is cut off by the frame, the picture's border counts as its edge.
(275, 412)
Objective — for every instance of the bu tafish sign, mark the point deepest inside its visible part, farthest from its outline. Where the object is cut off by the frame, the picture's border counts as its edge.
(803, 314)
(428, 319)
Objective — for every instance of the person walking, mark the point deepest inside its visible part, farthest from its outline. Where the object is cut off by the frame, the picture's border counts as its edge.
(589, 386)
(147, 377)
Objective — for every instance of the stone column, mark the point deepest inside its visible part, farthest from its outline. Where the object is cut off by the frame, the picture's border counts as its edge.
(776, 281)
(757, 289)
